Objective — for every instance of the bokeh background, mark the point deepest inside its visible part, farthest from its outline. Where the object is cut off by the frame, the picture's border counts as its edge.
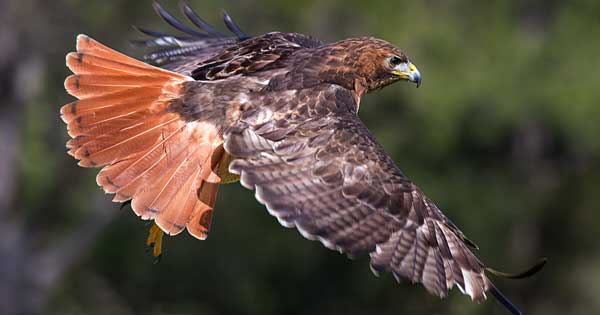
(504, 135)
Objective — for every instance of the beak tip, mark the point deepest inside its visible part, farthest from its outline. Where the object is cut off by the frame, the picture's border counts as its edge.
(415, 76)
(417, 79)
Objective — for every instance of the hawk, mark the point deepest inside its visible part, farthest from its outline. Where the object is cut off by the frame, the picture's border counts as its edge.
(278, 112)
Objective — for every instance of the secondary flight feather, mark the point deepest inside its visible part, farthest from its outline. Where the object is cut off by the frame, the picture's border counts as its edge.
(279, 112)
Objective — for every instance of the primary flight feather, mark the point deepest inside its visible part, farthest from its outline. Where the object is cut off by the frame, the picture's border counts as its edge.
(279, 112)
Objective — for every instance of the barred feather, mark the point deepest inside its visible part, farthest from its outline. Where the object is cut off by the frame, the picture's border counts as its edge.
(323, 173)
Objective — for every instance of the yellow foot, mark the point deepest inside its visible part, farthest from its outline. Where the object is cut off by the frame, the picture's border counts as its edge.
(154, 241)
(223, 170)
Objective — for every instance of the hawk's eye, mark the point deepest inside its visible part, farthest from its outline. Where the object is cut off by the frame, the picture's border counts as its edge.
(394, 61)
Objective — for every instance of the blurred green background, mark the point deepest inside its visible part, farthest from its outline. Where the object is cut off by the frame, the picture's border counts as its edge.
(504, 135)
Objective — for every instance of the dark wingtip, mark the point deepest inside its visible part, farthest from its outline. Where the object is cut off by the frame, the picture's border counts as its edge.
(523, 274)
(165, 15)
(197, 20)
(233, 27)
(159, 39)
(148, 32)
(504, 301)
(462, 236)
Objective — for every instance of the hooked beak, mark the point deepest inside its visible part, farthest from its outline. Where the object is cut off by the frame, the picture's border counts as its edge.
(409, 72)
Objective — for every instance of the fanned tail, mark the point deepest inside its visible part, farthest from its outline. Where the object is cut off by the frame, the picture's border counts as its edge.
(149, 155)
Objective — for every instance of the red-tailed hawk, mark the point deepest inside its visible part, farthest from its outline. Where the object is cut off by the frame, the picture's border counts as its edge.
(279, 112)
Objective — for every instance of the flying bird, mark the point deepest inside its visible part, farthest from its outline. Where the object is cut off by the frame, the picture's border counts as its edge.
(279, 112)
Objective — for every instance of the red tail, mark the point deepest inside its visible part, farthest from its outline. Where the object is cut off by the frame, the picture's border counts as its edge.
(121, 122)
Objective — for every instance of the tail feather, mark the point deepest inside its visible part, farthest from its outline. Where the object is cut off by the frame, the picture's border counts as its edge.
(149, 155)
(86, 45)
(86, 63)
(110, 105)
(109, 148)
(126, 176)
(207, 195)
(97, 82)
(73, 86)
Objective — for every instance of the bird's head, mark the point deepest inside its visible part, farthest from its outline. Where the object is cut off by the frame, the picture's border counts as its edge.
(374, 63)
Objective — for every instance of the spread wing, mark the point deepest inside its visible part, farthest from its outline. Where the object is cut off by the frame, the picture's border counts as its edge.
(315, 166)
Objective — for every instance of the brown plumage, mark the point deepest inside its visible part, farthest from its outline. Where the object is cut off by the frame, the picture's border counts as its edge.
(280, 111)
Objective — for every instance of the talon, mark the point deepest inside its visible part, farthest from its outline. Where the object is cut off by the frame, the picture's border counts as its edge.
(125, 204)
(154, 241)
